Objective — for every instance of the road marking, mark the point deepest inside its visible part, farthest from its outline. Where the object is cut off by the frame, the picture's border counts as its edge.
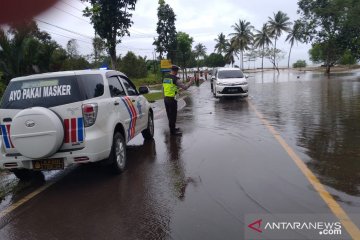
(349, 225)
(25, 199)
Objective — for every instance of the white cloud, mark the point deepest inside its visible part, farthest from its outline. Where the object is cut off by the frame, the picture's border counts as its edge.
(203, 20)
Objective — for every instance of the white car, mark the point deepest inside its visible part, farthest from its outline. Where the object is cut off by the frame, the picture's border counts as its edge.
(50, 121)
(229, 82)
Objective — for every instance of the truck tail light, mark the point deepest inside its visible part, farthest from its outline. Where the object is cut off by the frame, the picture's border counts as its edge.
(89, 113)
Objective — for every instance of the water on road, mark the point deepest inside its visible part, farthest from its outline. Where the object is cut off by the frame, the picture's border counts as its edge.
(226, 165)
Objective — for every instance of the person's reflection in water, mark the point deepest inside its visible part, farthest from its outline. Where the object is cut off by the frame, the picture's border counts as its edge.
(177, 173)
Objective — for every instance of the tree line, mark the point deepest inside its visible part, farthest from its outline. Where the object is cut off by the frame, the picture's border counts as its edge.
(25, 50)
(330, 26)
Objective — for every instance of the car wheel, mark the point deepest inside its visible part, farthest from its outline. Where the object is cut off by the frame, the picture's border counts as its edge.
(26, 175)
(148, 133)
(215, 94)
(118, 153)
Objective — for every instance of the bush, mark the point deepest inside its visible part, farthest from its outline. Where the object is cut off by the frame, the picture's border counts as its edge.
(347, 58)
(133, 66)
(299, 64)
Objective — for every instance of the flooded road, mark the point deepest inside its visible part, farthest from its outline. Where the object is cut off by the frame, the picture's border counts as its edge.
(226, 165)
(319, 116)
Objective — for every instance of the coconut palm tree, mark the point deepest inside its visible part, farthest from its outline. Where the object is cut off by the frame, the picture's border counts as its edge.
(277, 25)
(294, 36)
(242, 37)
(262, 39)
(220, 46)
(230, 53)
(200, 51)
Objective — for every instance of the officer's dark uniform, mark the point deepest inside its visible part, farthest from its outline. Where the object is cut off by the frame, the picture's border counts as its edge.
(170, 91)
(170, 86)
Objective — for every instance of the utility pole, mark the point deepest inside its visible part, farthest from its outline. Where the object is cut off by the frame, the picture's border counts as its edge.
(155, 63)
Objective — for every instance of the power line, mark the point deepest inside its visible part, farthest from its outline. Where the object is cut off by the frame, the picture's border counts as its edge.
(82, 3)
(80, 10)
(64, 29)
(62, 10)
(47, 30)
(144, 34)
(135, 32)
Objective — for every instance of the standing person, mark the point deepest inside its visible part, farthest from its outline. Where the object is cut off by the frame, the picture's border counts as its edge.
(171, 84)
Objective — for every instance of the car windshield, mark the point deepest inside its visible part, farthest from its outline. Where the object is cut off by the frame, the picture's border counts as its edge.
(230, 74)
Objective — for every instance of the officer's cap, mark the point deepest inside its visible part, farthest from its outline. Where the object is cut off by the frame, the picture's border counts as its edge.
(175, 68)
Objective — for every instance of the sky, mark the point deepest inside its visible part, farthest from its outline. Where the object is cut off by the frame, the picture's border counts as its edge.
(202, 20)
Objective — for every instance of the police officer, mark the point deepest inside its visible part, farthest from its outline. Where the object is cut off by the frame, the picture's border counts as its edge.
(171, 83)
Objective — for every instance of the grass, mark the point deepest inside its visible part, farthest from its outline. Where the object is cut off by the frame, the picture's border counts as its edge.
(152, 97)
(151, 79)
(154, 83)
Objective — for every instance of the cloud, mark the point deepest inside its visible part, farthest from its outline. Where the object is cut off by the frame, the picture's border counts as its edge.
(203, 20)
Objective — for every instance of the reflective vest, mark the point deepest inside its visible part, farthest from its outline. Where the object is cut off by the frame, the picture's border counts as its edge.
(170, 89)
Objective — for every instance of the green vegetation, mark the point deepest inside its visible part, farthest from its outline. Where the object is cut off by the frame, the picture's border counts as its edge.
(241, 38)
(215, 60)
(199, 52)
(166, 42)
(347, 58)
(332, 26)
(221, 44)
(300, 64)
(280, 23)
(152, 97)
(294, 36)
(150, 79)
(133, 66)
(184, 49)
(26, 50)
(262, 39)
(111, 20)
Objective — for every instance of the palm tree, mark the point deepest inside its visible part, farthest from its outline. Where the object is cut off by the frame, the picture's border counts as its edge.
(200, 51)
(220, 45)
(230, 53)
(277, 25)
(294, 36)
(242, 37)
(262, 39)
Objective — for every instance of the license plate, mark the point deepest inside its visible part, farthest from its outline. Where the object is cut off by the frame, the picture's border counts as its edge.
(233, 90)
(48, 164)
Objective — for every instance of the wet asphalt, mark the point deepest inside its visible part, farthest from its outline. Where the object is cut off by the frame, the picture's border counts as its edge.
(226, 165)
